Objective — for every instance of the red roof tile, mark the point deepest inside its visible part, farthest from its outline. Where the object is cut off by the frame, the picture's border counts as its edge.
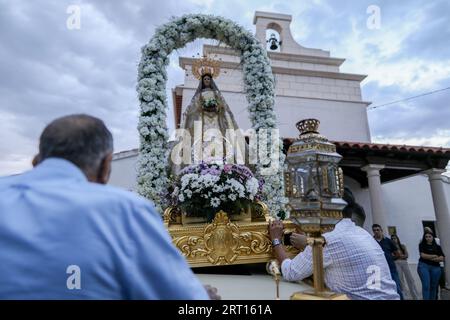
(391, 147)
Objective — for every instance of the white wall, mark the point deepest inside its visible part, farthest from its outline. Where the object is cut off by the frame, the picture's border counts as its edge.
(408, 202)
(340, 121)
(123, 173)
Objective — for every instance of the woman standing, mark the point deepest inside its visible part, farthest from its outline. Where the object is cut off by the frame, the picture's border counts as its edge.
(429, 269)
(403, 269)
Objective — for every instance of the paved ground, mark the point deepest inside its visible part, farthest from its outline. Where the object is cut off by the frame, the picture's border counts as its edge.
(246, 282)
(254, 287)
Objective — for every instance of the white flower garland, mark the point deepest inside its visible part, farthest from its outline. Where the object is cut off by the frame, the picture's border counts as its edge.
(152, 77)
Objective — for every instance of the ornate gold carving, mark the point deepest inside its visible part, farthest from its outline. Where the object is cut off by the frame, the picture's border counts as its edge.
(312, 146)
(224, 242)
(171, 215)
(260, 212)
(317, 213)
(325, 184)
(341, 181)
(288, 184)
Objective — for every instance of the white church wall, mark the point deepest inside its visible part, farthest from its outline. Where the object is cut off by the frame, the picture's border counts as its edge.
(408, 202)
(123, 172)
(317, 87)
(340, 121)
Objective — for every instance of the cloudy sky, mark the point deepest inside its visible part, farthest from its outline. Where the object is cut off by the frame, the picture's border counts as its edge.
(48, 70)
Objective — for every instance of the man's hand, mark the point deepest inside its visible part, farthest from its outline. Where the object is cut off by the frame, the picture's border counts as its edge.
(212, 292)
(276, 232)
(299, 241)
(276, 229)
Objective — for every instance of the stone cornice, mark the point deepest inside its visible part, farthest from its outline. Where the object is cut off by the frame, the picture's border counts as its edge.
(306, 59)
(125, 154)
(210, 49)
(367, 103)
(321, 74)
(290, 71)
(270, 15)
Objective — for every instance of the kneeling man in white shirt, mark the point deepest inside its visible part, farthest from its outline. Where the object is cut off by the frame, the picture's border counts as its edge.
(354, 263)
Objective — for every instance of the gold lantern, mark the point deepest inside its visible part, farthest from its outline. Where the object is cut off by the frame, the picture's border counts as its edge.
(314, 186)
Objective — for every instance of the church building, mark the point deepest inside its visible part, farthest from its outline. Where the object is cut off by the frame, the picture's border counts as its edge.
(400, 187)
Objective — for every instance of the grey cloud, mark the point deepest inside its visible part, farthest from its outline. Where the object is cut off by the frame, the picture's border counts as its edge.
(48, 71)
(422, 117)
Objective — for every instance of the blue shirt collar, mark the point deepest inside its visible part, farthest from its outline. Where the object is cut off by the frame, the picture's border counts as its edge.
(62, 168)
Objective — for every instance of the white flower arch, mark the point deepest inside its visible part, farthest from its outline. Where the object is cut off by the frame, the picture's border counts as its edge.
(152, 78)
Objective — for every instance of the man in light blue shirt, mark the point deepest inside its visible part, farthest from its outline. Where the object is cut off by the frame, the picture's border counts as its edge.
(64, 234)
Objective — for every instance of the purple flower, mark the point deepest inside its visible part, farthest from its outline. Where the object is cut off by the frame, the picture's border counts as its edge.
(211, 171)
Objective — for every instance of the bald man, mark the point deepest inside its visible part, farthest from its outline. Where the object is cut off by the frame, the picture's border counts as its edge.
(65, 234)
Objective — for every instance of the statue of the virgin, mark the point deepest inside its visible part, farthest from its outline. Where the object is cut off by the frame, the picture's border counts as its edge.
(213, 131)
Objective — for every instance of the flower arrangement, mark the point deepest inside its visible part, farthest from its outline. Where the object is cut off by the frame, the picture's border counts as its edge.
(258, 80)
(206, 188)
(210, 104)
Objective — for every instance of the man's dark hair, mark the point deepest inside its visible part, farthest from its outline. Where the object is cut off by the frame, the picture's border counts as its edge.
(81, 139)
(353, 210)
(375, 225)
(348, 211)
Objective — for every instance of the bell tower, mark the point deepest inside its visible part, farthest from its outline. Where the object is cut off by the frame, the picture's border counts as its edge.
(281, 24)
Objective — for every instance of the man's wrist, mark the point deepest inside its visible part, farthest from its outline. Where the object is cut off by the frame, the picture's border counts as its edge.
(276, 242)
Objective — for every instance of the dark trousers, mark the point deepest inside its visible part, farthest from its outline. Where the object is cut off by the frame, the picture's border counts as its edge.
(429, 276)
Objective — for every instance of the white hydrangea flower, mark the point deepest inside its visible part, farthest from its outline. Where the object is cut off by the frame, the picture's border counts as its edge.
(215, 202)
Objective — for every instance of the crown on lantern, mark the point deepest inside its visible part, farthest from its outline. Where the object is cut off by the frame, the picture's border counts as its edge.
(206, 65)
(308, 126)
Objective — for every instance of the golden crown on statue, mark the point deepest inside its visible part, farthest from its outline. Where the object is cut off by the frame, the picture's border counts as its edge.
(206, 65)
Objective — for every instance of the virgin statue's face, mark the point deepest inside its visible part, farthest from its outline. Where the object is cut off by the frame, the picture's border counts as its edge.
(207, 81)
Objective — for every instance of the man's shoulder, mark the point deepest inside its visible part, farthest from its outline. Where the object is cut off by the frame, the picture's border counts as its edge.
(342, 229)
(118, 194)
(349, 233)
(6, 181)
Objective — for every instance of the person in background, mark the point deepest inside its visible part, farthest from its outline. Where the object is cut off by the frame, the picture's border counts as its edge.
(442, 280)
(390, 252)
(65, 234)
(403, 270)
(429, 265)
